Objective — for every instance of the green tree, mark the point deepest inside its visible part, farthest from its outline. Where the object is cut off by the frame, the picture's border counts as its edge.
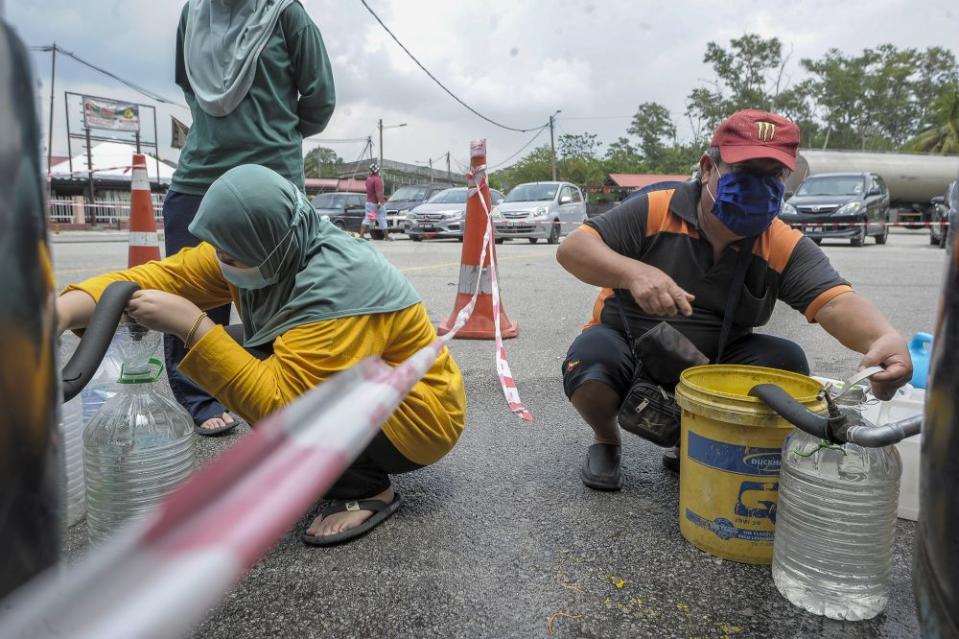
(536, 166)
(654, 128)
(320, 162)
(623, 157)
(880, 98)
(937, 76)
(748, 75)
(579, 145)
(943, 135)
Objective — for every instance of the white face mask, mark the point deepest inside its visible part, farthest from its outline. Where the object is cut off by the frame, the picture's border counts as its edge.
(251, 277)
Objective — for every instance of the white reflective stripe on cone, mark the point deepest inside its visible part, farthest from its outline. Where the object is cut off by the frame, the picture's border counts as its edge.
(140, 180)
(144, 238)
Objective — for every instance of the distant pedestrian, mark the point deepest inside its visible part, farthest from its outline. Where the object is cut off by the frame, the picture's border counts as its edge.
(257, 79)
(375, 204)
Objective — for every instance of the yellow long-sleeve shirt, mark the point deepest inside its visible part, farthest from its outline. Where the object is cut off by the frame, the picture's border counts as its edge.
(423, 428)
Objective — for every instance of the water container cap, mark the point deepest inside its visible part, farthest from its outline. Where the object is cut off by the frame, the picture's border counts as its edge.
(141, 376)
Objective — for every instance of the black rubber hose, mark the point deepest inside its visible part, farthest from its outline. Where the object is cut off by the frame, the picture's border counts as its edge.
(96, 338)
(792, 411)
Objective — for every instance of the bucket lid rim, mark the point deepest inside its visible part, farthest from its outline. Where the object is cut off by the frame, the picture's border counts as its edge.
(693, 370)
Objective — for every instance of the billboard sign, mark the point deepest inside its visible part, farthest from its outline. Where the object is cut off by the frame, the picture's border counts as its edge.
(111, 114)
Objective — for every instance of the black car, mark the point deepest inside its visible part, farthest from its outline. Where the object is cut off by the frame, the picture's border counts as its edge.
(346, 210)
(840, 205)
(405, 199)
(945, 216)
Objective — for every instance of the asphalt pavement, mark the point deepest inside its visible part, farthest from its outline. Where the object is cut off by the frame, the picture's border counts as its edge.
(500, 538)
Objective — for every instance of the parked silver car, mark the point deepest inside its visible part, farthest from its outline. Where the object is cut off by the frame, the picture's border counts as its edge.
(540, 210)
(443, 215)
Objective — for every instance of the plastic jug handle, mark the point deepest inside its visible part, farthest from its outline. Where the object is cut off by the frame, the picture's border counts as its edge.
(921, 342)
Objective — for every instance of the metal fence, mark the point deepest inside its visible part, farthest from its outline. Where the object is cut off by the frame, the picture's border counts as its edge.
(102, 213)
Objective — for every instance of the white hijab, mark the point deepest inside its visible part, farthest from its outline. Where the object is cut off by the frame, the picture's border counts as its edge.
(221, 46)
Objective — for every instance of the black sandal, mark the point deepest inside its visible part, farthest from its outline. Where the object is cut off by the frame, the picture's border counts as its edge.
(601, 469)
(213, 432)
(381, 512)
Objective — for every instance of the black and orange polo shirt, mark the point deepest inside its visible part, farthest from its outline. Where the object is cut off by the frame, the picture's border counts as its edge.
(661, 229)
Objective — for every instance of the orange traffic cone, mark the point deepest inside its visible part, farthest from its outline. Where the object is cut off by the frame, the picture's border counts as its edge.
(480, 324)
(144, 243)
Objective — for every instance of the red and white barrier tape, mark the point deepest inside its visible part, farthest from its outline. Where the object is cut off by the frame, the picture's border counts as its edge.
(826, 225)
(506, 379)
(161, 575)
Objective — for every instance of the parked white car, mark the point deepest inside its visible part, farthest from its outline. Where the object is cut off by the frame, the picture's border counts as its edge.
(537, 210)
(443, 215)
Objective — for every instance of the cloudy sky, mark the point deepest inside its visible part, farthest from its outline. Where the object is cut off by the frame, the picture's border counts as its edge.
(515, 61)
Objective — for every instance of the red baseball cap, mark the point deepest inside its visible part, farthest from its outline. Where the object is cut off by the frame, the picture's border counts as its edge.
(752, 134)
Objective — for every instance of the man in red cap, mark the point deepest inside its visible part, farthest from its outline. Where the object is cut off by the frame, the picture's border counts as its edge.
(709, 258)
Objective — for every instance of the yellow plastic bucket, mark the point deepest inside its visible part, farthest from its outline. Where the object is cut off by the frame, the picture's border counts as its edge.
(731, 454)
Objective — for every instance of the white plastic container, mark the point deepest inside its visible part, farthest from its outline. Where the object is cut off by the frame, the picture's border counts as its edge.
(907, 402)
(71, 432)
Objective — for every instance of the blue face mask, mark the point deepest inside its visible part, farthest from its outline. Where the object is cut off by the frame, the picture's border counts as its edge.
(747, 203)
(252, 277)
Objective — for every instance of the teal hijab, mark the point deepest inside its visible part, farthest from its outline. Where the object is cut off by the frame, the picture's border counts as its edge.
(221, 46)
(257, 217)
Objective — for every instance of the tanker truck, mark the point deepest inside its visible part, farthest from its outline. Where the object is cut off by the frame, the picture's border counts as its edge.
(912, 179)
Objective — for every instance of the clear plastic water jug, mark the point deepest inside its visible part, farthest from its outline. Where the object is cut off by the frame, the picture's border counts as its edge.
(71, 432)
(139, 446)
(103, 385)
(835, 526)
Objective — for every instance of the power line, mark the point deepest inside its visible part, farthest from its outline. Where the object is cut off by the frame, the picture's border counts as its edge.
(523, 148)
(150, 94)
(440, 84)
(598, 117)
(336, 141)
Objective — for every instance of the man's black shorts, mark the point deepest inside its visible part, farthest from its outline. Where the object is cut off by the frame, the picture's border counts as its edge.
(601, 353)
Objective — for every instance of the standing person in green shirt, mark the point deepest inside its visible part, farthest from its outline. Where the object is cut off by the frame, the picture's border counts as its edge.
(257, 79)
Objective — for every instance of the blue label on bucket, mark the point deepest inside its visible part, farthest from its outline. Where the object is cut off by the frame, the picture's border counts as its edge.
(726, 530)
(757, 500)
(744, 460)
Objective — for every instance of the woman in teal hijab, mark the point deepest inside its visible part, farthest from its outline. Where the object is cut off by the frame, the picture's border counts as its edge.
(313, 301)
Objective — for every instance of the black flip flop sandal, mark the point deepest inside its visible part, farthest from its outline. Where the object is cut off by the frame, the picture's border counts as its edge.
(601, 469)
(381, 512)
(213, 432)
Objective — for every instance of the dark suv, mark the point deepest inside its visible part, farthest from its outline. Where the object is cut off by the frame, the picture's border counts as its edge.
(945, 216)
(840, 205)
(346, 210)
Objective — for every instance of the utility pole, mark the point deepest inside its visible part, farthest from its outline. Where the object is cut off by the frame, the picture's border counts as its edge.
(449, 174)
(379, 125)
(552, 144)
(53, 77)
(431, 170)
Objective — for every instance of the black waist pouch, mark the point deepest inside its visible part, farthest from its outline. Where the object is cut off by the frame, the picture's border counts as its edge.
(649, 408)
